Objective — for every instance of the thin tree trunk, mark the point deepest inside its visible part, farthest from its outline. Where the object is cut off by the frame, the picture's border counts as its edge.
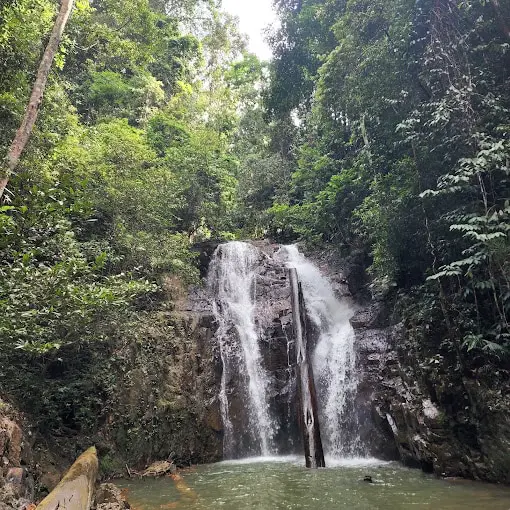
(25, 130)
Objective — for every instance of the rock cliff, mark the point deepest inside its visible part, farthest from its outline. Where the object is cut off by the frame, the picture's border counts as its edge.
(436, 408)
(444, 419)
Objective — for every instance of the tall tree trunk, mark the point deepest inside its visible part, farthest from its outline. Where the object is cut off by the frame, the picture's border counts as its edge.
(32, 110)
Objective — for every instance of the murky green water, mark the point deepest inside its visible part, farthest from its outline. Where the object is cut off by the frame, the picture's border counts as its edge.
(285, 484)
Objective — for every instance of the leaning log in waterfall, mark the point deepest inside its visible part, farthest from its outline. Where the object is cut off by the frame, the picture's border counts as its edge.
(309, 417)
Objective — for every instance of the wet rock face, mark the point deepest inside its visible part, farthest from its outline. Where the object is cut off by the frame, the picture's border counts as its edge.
(437, 419)
(274, 314)
(443, 422)
(373, 354)
(167, 403)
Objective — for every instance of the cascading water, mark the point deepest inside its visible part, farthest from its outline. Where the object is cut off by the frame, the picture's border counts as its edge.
(334, 359)
(232, 279)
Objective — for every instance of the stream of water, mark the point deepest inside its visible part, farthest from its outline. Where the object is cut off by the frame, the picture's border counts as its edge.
(283, 483)
(232, 281)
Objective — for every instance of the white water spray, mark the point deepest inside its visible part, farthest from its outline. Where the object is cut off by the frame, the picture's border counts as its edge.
(232, 278)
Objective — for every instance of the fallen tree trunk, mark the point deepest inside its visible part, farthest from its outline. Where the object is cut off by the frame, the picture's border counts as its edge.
(76, 490)
(32, 110)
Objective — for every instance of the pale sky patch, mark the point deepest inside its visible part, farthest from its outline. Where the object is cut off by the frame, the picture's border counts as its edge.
(254, 16)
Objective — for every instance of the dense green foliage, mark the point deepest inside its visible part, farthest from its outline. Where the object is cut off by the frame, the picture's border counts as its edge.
(401, 150)
(130, 163)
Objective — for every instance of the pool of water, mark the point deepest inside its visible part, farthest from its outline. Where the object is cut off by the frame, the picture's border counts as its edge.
(283, 483)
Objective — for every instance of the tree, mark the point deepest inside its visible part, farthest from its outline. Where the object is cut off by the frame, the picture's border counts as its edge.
(32, 110)
(402, 147)
(130, 160)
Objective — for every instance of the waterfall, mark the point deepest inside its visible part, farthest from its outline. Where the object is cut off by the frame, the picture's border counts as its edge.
(334, 359)
(232, 279)
(260, 377)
